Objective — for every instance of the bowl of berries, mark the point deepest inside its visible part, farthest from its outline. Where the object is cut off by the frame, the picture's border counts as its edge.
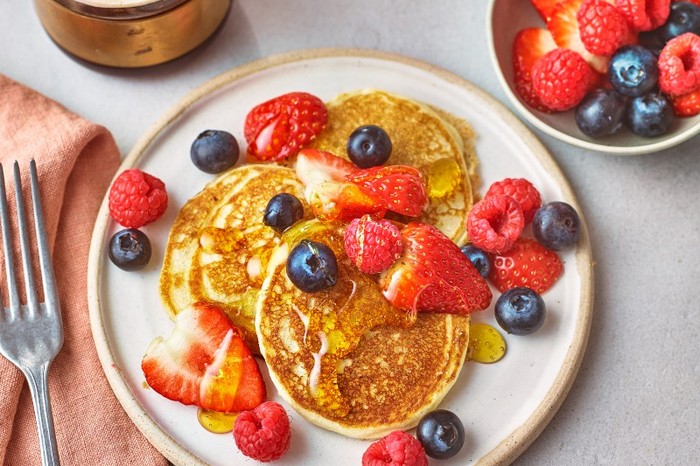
(614, 76)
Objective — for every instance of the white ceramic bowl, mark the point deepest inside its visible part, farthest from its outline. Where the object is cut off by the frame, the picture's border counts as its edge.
(504, 19)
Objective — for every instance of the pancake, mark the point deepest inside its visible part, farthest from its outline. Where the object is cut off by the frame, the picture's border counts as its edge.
(343, 357)
(422, 137)
(218, 245)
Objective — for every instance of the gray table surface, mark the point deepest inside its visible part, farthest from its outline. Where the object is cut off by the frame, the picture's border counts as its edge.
(636, 399)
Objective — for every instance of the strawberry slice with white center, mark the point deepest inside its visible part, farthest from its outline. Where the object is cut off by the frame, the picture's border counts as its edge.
(530, 45)
(316, 166)
(205, 363)
(566, 33)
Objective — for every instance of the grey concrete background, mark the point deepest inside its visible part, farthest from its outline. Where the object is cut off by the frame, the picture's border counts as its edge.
(636, 399)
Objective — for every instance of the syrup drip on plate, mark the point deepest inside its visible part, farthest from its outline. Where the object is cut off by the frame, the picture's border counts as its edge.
(216, 422)
(486, 344)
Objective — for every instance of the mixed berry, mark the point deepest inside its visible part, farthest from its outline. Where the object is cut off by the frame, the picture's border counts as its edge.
(369, 146)
(130, 249)
(214, 151)
(618, 63)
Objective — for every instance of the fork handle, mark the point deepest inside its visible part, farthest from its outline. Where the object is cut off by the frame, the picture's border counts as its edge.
(37, 378)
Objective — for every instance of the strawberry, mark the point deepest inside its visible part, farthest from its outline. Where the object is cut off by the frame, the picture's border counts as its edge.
(565, 32)
(315, 166)
(205, 362)
(401, 188)
(686, 105)
(527, 263)
(432, 275)
(278, 128)
(529, 46)
(545, 8)
(337, 200)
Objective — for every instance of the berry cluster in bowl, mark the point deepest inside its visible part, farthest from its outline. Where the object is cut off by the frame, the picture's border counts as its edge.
(616, 63)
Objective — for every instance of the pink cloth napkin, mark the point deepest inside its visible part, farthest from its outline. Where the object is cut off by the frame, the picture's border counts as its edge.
(76, 160)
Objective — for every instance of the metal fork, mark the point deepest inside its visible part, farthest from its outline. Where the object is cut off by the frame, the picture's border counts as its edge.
(31, 334)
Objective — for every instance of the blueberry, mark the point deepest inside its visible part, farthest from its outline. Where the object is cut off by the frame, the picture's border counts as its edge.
(600, 113)
(479, 258)
(633, 71)
(214, 151)
(441, 433)
(684, 17)
(520, 311)
(130, 249)
(283, 211)
(556, 225)
(312, 266)
(369, 146)
(649, 115)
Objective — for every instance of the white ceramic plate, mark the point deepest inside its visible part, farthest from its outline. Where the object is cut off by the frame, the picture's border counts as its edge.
(504, 406)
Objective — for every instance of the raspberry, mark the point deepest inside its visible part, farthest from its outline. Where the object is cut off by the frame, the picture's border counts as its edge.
(644, 15)
(372, 245)
(495, 222)
(137, 198)
(263, 433)
(603, 27)
(522, 191)
(561, 79)
(399, 448)
(679, 65)
(686, 105)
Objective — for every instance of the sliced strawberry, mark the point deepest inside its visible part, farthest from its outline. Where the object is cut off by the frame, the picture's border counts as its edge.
(686, 105)
(433, 275)
(545, 8)
(565, 32)
(205, 362)
(278, 128)
(315, 166)
(530, 45)
(401, 188)
(527, 263)
(341, 200)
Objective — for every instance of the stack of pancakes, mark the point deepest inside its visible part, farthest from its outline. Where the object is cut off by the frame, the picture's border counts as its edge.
(343, 357)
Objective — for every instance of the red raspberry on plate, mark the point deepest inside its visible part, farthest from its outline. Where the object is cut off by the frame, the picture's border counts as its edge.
(603, 27)
(263, 433)
(399, 448)
(679, 65)
(644, 15)
(372, 245)
(527, 264)
(686, 105)
(522, 191)
(137, 198)
(561, 79)
(495, 222)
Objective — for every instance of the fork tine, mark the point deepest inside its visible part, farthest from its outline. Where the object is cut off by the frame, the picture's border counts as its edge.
(29, 286)
(45, 264)
(7, 246)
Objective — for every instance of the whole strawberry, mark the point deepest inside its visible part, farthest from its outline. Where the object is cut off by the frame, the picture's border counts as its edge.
(433, 275)
(399, 448)
(372, 245)
(522, 191)
(527, 264)
(278, 128)
(263, 433)
(137, 198)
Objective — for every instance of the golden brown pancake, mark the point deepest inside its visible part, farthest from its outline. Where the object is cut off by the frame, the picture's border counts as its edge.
(343, 357)
(437, 143)
(218, 245)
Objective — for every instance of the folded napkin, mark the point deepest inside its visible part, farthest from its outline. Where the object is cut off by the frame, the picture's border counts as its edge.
(75, 161)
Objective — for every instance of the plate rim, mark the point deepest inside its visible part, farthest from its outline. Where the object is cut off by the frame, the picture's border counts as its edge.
(527, 113)
(505, 452)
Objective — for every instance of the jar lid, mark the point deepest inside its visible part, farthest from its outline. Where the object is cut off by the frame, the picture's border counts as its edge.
(120, 9)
